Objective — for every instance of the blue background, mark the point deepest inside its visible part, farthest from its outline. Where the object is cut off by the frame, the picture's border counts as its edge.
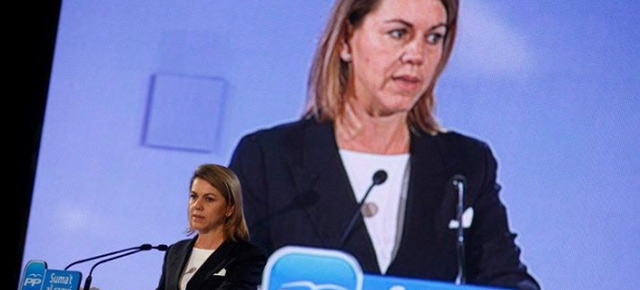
(552, 86)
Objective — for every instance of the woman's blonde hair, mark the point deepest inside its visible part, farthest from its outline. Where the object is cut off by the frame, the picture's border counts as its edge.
(329, 75)
(227, 183)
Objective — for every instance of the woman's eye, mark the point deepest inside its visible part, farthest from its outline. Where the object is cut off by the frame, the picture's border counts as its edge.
(210, 199)
(398, 33)
(434, 38)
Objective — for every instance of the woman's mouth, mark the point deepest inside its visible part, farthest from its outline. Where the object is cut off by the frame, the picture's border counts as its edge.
(406, 82)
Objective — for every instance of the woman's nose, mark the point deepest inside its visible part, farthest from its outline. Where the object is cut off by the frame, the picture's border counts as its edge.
(414, 52)
(197, 204)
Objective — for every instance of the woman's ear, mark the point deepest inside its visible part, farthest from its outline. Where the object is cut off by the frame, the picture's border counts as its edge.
(230, 211)
(345, 51)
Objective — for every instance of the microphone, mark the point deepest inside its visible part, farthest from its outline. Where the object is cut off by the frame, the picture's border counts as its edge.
(459, 183)
(379, 177)
(145, 247)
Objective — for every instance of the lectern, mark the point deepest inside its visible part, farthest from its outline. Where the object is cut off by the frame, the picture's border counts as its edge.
(298, 268)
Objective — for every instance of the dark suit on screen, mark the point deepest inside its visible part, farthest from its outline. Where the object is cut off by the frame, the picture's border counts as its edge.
(296, 192)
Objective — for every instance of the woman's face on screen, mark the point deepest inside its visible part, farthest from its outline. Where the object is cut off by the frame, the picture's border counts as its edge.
(394, 53)
(207, 207)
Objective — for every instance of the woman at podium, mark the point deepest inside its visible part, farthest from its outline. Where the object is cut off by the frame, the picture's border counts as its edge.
(219, 256)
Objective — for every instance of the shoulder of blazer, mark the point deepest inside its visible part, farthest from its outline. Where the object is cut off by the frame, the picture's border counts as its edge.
(459, 154)
(301, 144)
(180, 247)
(183, 243)
(245, 248)
(461, 142)
(454, 145)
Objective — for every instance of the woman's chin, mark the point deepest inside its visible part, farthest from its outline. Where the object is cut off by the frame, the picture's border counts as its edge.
(393, 109)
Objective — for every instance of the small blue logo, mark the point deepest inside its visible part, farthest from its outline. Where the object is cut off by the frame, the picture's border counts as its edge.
(302, 268)
(33, 275)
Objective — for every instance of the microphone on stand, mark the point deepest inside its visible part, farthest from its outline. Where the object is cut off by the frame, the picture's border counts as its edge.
(145, 247)
(459, 183)
(379, 177)
(108, 254)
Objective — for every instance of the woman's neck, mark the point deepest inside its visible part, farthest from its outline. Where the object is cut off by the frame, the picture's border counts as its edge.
(358, 130)
(210, 240)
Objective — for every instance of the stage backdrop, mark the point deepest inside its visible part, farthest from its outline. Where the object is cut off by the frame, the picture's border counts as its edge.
(143, 91)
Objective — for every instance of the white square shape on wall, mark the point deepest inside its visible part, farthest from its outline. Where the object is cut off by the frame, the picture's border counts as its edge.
(184, 112)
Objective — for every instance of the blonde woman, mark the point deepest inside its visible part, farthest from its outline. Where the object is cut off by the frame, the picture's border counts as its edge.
(370, 107)
(220, 255)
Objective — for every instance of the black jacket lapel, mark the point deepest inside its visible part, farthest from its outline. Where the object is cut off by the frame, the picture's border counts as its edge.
(179, 260)
(320, 172)
(213, 264)
(423, 223)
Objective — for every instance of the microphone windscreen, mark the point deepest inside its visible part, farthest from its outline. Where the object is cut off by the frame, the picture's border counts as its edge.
(162, 247)
(458, 179)
(379, 177)
(146, 247)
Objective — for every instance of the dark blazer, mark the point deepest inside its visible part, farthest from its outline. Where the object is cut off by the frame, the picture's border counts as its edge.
(296, 192)
(242, 261)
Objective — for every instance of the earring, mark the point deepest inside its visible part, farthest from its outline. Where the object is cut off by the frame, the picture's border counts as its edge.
(345, 56)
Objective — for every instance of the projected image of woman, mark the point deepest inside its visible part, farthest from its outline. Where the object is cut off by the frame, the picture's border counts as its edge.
(371, 107)
(219, 256)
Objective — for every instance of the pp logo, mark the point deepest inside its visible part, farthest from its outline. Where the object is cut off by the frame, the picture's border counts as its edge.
(32, 280)
(33, 274)
(302, 268)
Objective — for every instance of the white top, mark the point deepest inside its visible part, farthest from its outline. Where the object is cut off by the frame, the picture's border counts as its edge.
(383, 211)
(197, 258)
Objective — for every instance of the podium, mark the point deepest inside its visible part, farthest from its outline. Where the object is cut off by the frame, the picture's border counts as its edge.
(304, 268)
(288, 268)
